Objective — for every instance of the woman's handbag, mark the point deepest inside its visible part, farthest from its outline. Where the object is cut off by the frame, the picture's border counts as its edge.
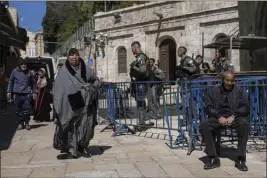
(76, 101)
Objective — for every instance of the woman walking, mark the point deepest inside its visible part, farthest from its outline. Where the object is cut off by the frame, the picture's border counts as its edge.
(42, 106)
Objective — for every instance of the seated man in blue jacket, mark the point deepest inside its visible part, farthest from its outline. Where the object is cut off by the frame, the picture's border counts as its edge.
(227, 105)
(21, 84)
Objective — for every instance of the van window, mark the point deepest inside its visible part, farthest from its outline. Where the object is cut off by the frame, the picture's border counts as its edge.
(62, 61)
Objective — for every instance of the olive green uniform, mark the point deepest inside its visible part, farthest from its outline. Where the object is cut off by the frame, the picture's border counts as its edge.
(222, 65)
(187, 68)
(138, 73)
(155, 89)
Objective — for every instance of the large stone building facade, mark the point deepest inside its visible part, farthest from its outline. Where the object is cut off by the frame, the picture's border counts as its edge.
(161, 27)
(30, 48)
(39, 43)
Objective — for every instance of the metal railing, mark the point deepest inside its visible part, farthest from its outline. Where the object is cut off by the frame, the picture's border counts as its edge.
(178, 107)
(81, 32)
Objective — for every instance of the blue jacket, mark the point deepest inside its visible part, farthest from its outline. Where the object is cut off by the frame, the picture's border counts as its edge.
(21, 82)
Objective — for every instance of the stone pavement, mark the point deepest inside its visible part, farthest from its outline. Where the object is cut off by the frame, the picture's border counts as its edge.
(31, 155)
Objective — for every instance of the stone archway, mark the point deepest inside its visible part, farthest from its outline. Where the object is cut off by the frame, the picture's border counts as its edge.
(167, 58)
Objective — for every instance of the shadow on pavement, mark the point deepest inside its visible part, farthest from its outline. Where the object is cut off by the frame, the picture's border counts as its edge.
(92, 150)
(97, 150)
(226, 152)
(8, 125)
(35, 126)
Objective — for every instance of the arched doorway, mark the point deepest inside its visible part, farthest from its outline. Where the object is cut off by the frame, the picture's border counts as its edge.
(167, 58)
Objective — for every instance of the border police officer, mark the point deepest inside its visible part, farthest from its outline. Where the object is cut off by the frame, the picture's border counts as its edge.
(155, 90)
(138, 73)
(187, 67)
(221, 63)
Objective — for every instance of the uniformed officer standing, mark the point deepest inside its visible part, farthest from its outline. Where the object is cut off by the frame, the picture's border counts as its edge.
(186, 69)
(221, 63)
(155, 88)
(138, 73)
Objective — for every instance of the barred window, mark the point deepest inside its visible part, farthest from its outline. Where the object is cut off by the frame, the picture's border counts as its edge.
(122, 60)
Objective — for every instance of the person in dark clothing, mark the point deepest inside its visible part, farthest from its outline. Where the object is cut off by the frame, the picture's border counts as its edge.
(199, 63)
(227, 105)
(205, 68)
(42, 105)
(21, 84)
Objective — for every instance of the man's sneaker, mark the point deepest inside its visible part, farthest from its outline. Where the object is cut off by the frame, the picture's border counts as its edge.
(27, 126)
(21, 126)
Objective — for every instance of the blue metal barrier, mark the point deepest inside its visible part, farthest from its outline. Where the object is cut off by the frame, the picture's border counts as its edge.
(113, 99)
(255, 87)
(181, 105)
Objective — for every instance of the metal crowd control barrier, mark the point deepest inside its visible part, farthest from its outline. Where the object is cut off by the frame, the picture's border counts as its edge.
(178, 106)
(254, 85)
(111, 92)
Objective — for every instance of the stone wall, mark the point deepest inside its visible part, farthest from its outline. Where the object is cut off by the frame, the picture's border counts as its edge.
(184, 22)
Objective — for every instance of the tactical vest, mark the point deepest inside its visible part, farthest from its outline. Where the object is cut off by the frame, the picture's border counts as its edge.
(138, 76)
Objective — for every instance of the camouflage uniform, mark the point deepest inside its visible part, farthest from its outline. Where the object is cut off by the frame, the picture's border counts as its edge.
(187, 68)
(155, 90)
(138, 72)
(222, 65)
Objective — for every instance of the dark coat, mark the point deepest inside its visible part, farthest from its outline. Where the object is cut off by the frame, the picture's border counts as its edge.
(237, 99)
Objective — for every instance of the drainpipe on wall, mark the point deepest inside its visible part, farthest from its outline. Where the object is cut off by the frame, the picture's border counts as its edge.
(203, 45)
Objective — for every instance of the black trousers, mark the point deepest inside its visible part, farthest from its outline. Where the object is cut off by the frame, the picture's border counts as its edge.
(241, 125)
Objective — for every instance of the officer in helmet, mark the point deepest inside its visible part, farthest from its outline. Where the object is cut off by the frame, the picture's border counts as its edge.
(221, 63)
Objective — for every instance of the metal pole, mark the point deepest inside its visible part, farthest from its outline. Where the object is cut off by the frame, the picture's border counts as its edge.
(95, 61)
(105, 6)
(203, 45)
(231, 46)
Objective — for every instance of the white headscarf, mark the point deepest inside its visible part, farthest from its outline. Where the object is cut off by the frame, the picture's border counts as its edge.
(41, 82)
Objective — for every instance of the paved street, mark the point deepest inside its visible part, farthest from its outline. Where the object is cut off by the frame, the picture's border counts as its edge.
(31, 155)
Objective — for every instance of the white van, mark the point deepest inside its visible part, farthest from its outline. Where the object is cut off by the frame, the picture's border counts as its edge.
(35, 63)
(61, 60)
